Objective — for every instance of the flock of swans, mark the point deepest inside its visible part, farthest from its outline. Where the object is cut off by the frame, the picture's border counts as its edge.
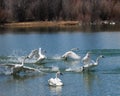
(39, 56)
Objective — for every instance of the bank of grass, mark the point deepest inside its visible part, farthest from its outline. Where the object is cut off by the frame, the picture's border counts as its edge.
(41, 24)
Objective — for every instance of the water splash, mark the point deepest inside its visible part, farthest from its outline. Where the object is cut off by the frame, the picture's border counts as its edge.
(55, 68)
(74, 69)
(6, 70)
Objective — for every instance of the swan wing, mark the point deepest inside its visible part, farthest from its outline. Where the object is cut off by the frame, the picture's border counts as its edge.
(65, 54)
(55, 82)
(71, 55)
(33, 53)
(58, 82)
(51, 81)
(9, 65)
(74, 56)
(26, 68)
(36, 53)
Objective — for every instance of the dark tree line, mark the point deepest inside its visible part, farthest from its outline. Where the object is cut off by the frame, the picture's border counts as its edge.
(49, 10)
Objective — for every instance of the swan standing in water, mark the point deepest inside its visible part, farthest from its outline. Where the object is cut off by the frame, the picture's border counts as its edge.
(71, 55)
(55, 81)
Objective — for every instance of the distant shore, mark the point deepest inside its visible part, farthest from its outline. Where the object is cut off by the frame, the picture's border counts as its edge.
(44, 24)
(40, 24)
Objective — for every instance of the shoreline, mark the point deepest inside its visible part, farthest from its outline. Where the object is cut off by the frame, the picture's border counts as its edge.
(35, 24)
(51, 24)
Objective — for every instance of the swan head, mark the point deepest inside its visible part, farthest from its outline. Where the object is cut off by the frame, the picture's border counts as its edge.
(59, 73)
(101, 56)
(27, 57)
(88, 54)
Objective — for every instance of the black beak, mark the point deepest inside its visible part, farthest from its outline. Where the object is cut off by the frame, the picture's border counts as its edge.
(61, 73)
(103, 56)
(27, 57)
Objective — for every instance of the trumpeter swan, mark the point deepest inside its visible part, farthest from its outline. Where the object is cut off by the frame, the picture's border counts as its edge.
(16, 68)
(86, 59)
(55, 81)
(37, 54)
(41, 56)
(93, 63)
(70, 55)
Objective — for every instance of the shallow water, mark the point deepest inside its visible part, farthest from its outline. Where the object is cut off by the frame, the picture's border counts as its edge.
(103, 80)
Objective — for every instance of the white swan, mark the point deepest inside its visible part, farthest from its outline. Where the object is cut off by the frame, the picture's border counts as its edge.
(16, 68)
(86, 59)
(71, 55)
(41, 56)
(34, 53)
(86, 66)
(55, 81)
(92, 63)
(37, 54)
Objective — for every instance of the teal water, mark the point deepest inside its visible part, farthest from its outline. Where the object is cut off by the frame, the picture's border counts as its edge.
(100, 81)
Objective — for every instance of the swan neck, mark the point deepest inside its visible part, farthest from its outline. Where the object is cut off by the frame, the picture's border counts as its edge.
(56, 75)
(23, 61)
(97, 59)
(40, 51)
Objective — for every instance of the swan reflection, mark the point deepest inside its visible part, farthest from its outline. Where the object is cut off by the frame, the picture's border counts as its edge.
(56, 90)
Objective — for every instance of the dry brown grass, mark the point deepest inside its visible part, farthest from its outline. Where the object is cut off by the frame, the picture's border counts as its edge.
(41, 24)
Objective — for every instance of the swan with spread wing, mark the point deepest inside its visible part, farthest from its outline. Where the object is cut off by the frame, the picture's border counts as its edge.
(71, 55)
(37, 54)
(16, 68)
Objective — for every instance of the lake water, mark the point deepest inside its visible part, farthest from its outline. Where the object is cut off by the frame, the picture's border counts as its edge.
(103, 80)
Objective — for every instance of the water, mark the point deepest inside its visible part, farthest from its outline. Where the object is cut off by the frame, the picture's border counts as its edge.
(100, 81)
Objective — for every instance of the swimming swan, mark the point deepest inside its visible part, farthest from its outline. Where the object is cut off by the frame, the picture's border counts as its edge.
(55, 81)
